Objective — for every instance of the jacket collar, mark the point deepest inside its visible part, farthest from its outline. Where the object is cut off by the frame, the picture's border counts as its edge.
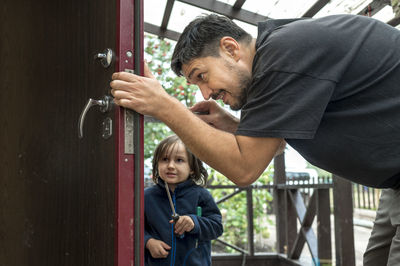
(180, 186)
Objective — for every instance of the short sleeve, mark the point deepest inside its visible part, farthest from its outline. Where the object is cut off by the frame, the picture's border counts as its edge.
(285, 105)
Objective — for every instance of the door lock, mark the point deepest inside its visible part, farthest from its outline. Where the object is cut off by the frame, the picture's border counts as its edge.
(106, 58)
(104, 104)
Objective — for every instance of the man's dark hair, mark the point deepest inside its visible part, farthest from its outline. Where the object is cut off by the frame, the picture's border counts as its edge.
(201, 39)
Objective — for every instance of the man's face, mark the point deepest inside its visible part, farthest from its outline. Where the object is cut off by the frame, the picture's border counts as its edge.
(219, 78)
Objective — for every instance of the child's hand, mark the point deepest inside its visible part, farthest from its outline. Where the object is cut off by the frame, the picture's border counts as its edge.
(184, 224)
(158, 249)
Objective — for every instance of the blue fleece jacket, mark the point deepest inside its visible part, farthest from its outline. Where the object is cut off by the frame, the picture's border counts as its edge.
(186, 197)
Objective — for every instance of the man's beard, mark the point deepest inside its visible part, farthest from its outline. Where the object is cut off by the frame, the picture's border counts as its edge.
(243, 85)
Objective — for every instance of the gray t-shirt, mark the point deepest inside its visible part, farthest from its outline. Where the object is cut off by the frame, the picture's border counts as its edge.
(331, 88)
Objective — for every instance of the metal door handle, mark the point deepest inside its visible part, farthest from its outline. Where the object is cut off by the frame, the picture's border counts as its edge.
(106, 58)
(105, 105)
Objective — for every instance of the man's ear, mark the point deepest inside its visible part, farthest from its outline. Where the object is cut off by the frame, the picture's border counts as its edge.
(230, 47)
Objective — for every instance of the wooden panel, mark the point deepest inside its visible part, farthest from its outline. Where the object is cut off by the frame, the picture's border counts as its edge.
(343, 213)
(56, 191)
(280, 204)
(265, 259)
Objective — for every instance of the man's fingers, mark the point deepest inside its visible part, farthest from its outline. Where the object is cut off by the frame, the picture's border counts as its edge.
(122, 102)
(120, 94)
(121, 85)
(125, 76)
(147, 72)
(200, 105)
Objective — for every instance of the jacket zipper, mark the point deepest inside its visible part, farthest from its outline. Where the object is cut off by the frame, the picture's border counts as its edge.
(173, 251)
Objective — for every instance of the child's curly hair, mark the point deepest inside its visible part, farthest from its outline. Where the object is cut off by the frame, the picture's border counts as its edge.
(199, 175)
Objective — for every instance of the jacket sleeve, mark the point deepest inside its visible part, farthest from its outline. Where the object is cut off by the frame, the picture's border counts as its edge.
(148, 194)
(208, 226)
(147, 236)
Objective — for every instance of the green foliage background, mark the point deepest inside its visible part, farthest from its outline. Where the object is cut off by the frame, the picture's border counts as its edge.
(158, 56)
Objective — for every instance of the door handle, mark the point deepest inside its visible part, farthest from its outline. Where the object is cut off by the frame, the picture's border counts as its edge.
(104, 104)
(106, 57)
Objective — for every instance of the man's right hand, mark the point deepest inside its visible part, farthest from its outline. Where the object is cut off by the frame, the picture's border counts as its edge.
(216, 116)
(158, 249)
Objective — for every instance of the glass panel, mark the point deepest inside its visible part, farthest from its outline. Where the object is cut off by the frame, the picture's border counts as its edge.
(385, 14)
(279, 9)
(343, 7)
(182, 14)
(154, 11)
(247, 27)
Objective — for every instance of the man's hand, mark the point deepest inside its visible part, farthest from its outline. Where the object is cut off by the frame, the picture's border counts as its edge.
(184, 224)
(216, 116)
(158, 249)
(144, 94)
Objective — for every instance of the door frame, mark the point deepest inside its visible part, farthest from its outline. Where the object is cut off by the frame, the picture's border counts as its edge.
(129, 219)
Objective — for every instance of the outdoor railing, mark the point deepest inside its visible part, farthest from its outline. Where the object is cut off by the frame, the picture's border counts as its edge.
(296, 204)
(365, 197)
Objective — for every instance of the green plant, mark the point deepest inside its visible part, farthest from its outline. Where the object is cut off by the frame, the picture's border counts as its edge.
(234, 210)
(160, 51)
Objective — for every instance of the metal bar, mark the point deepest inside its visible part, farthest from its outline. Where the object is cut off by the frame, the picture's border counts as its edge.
(250, 220)
(237, 191)
(358, 195)
(394, 21)
(167, 14)
(279, 202)
(324, 225)
(227, 10)
(124, 214)
(156, 30)
(316, 186)
(315, 8)
(369, 199)
(278, 186)
(170, 199)
(343, 213)
(374, 7)
(138, 140)
(232, 246)
(291, 221)
(242, 188)
(238, 4)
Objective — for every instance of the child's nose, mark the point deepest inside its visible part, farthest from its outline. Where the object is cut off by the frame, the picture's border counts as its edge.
(171, 164)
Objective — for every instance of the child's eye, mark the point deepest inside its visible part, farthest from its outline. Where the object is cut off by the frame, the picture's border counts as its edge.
(164, 159)
(180, 160)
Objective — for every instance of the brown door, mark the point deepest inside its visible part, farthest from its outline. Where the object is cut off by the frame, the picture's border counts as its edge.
(58, 195)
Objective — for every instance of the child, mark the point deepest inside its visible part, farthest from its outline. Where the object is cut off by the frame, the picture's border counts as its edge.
(200, 219)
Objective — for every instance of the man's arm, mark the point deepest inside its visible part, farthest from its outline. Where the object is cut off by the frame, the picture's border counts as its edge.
(241, 159)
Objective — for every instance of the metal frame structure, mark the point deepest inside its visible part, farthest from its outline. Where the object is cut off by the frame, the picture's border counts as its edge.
(235, 11)
(129, 218)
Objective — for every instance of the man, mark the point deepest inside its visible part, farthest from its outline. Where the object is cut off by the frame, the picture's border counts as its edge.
(330, 87)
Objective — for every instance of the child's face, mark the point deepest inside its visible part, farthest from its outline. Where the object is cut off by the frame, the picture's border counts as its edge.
(173, 166)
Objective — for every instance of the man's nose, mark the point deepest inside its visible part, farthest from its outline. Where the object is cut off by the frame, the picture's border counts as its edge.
(205, 91)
